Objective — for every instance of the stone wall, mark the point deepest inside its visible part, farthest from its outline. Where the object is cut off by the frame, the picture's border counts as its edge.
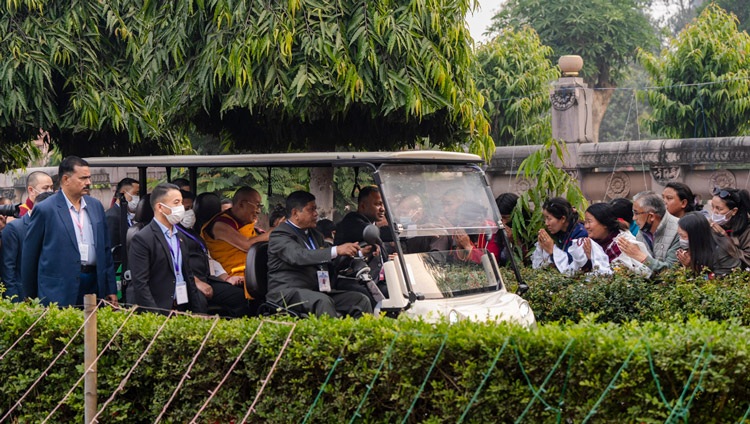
(605, 170)
(624, 168)
(103, 180)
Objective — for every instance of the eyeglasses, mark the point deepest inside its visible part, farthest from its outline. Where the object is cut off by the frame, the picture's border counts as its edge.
(636, 213)
(254, 204)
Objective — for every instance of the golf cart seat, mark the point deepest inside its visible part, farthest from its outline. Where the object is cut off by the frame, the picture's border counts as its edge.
(256, 281)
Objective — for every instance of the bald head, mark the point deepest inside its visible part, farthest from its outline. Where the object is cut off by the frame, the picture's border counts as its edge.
(38, 182)
(246, 204)
(244, 193)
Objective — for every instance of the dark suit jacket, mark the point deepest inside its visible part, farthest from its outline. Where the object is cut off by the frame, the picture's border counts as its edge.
(290, 263)
(349, 230)
(11, 266)
(51, 261)
(113, 224)
(153, 278)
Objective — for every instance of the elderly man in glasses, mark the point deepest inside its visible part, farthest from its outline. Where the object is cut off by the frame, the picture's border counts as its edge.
(658, 231)
(229, 234)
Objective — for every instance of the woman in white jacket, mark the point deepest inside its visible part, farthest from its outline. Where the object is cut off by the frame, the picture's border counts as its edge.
(601, 247)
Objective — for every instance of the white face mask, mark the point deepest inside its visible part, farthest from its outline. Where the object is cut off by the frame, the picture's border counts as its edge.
(176, 214)
(719, 218)
(684, 243)
(188, 220)
(133, 203)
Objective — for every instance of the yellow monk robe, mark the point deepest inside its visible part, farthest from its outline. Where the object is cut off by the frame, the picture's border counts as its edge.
(230, 257)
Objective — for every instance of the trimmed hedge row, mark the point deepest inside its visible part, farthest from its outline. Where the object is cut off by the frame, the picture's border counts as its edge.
(398, 370)
(672, 295)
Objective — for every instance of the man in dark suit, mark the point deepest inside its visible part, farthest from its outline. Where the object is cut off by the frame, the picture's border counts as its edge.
(370, 210)
(127, 188)
(158, 257)
(298, 265)
(66, 250)
(10, 269)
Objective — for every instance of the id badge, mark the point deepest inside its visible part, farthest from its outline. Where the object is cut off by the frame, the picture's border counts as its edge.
(181, 295)
(324, 281)
(84, 249)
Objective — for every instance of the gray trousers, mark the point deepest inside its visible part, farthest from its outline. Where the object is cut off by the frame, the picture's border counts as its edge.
(335, 303)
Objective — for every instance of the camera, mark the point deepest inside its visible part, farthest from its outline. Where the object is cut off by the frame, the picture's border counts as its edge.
(10, 210)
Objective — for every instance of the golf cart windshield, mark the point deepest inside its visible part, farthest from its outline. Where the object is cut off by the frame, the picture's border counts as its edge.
(445, 219)
(435, 200)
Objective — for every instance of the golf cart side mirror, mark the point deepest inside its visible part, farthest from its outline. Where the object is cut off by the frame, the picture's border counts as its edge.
(371, 235)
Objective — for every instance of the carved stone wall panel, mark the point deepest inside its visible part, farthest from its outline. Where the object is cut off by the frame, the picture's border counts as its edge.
(509, 158)
(8, 193)
(723, 179)
(573, 172)
(666, 152)
(618, 185)
(523, 184)
(101, 178)
(619, 153)
(666, 174)
(506, 164)
(563, 99)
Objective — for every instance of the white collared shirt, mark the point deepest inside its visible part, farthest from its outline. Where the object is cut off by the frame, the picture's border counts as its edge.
(82, 228)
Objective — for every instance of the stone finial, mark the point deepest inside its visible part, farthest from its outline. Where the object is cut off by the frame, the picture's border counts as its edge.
(570, 65)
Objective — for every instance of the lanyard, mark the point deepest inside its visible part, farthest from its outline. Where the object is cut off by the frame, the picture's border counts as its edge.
(79, 223)
(192, 237)
(311, 245)
(176, 256)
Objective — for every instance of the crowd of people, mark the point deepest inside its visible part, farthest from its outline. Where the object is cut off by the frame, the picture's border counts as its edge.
(651, 233)
(174, 250)
(178, 251)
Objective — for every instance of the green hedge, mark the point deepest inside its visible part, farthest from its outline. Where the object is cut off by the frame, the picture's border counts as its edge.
(672, 295)
(649, 372)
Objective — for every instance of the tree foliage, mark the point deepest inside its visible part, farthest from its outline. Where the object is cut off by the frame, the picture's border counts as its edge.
(605, 33)
(703, 79)
(738, 7)
(513, 75)
(627, 108)
(549, 180)
(678, 14)
(138, 76)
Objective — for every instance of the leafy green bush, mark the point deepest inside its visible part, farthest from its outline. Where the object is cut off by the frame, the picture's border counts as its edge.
(675, 294)
(392, 370)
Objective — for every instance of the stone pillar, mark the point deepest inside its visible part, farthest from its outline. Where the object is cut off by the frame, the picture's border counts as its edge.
(572, 102)
(571, 113)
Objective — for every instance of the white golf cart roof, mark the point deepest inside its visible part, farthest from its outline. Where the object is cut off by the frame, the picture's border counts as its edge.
(287, 159)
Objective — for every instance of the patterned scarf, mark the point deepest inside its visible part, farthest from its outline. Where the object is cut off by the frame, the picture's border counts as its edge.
(610, 245)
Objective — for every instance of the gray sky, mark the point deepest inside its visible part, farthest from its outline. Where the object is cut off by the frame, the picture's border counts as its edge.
(480, 20)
